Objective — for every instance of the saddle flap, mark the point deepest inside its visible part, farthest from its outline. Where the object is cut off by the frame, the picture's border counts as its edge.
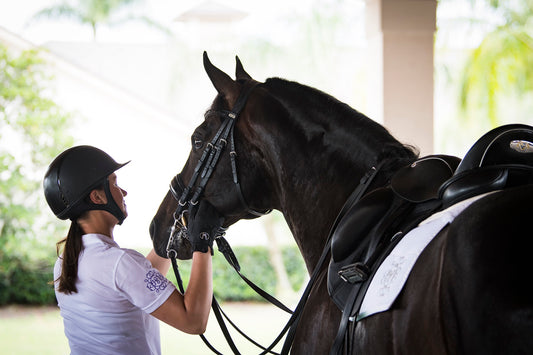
(420, 181)
(358, 221)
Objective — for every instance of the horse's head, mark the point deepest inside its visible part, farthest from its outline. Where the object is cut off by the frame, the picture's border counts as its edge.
(225, 165)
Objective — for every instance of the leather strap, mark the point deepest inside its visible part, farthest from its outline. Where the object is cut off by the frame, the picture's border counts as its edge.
(225, 249)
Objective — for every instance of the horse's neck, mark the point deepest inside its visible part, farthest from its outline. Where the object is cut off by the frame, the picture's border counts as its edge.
(312, 225)
(311, 207)
(331, 146)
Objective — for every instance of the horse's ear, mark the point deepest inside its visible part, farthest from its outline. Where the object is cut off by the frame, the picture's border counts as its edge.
(221, 81)
(240, 73)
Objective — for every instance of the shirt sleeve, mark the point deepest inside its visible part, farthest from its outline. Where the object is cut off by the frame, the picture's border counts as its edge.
(143, 285)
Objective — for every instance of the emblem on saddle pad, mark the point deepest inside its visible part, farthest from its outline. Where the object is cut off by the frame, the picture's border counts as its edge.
(521, 146)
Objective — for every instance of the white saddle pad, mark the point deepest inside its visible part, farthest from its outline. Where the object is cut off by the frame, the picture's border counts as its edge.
(392, 274)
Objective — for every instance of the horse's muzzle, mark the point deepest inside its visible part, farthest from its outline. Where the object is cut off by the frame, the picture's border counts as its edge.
(178, 247)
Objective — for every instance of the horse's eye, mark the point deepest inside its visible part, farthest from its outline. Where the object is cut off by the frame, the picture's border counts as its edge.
(197, 143)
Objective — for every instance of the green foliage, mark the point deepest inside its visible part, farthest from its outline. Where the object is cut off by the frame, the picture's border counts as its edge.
(32, 132)
(503, 63)
(255, 265)
(295, 267)
(27, 282)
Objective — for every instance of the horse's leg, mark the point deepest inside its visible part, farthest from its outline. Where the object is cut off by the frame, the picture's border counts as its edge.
(319, 322)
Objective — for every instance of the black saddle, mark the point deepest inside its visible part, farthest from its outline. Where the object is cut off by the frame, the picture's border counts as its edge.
(378, 214)
(374, 224)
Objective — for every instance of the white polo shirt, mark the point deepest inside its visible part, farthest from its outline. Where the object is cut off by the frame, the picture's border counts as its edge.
(117, 290)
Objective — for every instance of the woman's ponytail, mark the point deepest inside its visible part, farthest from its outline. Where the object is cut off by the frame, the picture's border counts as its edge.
(73, 246)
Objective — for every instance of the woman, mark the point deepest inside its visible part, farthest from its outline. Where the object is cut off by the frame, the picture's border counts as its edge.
(110, 297)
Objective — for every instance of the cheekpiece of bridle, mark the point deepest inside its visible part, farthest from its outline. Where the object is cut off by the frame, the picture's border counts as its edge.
(191, 193)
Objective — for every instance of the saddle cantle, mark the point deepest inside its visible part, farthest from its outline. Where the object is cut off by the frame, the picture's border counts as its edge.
(501, 158)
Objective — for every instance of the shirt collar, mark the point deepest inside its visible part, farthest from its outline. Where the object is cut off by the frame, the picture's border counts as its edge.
(95, 238)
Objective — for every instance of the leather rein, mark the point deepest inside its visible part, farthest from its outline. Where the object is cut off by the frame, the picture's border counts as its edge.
(201, 175)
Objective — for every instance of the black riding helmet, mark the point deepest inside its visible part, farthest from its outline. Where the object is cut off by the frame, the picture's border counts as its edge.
(72, 175)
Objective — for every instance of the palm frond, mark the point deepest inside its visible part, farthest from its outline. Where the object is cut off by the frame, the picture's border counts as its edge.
(58, 12)
(502, 64)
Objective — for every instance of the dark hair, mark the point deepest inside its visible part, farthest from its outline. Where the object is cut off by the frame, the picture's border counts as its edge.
(73, 245)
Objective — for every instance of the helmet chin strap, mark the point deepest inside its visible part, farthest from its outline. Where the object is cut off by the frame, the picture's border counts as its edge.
(111, 206)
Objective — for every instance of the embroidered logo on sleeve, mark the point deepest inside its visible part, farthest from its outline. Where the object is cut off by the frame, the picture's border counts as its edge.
(155, 281)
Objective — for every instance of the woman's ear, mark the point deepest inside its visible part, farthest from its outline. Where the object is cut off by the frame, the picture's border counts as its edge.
(97, 197)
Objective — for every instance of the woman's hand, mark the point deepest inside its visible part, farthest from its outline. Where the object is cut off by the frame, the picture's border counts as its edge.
(204, 225)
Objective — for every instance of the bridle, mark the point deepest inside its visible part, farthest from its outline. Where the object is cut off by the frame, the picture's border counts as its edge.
(210, 157)
(205, 167)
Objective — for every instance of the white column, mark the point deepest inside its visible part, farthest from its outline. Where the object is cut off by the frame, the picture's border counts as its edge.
(400, 36)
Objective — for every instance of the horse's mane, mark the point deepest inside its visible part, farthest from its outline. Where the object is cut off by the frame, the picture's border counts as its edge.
(308, 104)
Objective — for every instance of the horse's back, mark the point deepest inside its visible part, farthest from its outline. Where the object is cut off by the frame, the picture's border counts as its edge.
(469, 290)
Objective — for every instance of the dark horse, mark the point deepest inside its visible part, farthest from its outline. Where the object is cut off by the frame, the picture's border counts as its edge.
(302, 152)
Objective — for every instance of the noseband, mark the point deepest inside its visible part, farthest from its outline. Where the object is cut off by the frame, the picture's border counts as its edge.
(207, 163)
